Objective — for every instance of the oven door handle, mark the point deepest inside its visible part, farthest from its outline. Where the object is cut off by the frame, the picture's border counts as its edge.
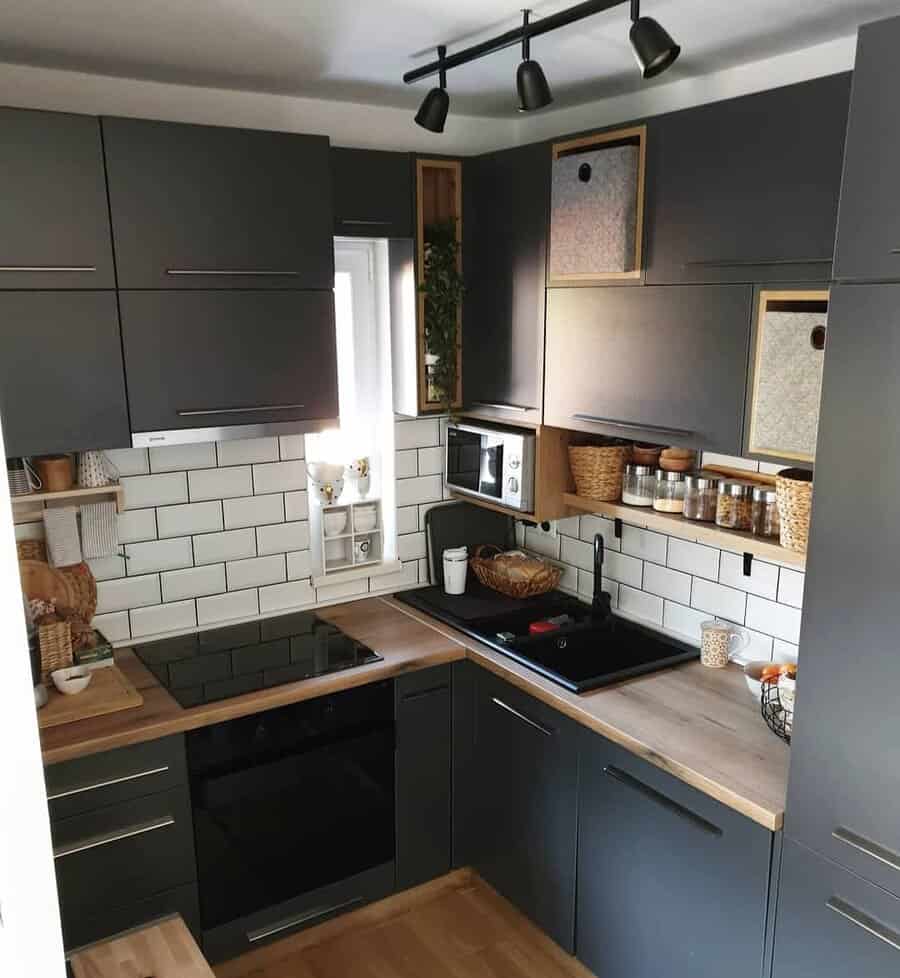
(253, 936)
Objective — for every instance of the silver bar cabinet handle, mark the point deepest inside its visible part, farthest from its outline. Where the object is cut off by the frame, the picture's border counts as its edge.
(108, 838)
(751, 262)
(240, 410)
(48, 268)
(869, 848)
(229, 271)
(503, 406)
(263, 932)
(107, 784)
(633, 426)
(359, 220)
(864, 922)
(521, 716)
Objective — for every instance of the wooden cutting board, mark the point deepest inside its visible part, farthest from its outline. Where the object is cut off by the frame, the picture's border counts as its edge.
(109, 691)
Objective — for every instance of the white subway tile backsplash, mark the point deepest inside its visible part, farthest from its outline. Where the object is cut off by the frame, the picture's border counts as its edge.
(569, 579)
(785, 651)
(411, 546)
(693, 558)
(107, 568)
(283, 597)
(624, 569)
(667, 583)
(759, 649)
(256, 572)
(431, 461)
(790, 588)
(724, 602)
(347, 589)
(641, 604)
(407, 519)
(569, 526)
(161, 618)
(592, 525)
(644, 544)
(247, 451)
(424, 573)
(407, 577)
(547, 544)
(299, 565)
(128, 461)
(175, 521)
(586, 588)
(774, 619)
(136, 525)
(292, 446)
(575, 552)
(424, 489)
(194, 582)
(421, 433)
(158, 555)
(143, 491)
(127, 592)
(296, 506)
(763, 579)
(180, 458)
(227, 607)
(114, 627)
(253, 511)
(213, 548)
(220, 483)
(685, 621)
(279, 477)
(407, 464)
(282, 537)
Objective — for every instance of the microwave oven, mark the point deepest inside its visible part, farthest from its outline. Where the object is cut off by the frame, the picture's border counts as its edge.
(491, 462)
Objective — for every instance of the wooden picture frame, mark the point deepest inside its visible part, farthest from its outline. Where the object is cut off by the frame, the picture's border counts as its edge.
(635, 136)
(811, 303)
(438, 198)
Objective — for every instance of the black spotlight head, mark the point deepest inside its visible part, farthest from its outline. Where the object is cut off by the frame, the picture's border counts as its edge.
(534, 92)
(432, 112)
(654, 49)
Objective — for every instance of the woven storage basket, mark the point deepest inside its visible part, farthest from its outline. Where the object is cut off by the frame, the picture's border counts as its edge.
(32, 550)
(56, 648)
(598, 469)
(794, 489)
(514, 576)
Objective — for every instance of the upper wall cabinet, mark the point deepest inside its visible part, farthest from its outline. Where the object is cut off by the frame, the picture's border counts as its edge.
(506, 208)
(747, 190)
(54, 215)
(208, 207)
(373, 193)
(655, 364)
(869, 225)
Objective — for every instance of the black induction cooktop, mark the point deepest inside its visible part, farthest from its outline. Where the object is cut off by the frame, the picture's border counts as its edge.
(226, 662)
(578, 649)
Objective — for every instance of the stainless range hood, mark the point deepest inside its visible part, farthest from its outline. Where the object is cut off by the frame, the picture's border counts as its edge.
(190, 436)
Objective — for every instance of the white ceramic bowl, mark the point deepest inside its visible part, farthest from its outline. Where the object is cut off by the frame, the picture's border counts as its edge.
(336, 551)
(325, 471)
(335, 523)
(753, 670)
(72, 680)
(364, 520)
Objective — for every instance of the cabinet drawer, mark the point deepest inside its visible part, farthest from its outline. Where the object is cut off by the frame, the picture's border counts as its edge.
(82, 926)
(124, 852)
(831, 923)
(115, 776)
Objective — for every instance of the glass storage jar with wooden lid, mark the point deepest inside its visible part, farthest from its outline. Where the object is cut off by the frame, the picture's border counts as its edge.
(734, 507)
(764, 520)
(701, 493)
(669, 493)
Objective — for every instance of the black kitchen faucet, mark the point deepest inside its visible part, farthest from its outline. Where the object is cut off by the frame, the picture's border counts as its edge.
(601, 609)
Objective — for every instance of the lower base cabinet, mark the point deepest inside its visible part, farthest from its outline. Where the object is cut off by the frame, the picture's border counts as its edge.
(526, 804)
(670, 882)
(832, 923)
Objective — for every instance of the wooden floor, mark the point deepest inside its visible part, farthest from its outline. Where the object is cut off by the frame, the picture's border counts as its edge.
(455, 927)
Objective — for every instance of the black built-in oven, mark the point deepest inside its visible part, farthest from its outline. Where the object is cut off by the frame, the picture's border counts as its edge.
(293, 815)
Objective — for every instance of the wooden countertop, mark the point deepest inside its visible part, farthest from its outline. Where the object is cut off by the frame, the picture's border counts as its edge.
(701, 725)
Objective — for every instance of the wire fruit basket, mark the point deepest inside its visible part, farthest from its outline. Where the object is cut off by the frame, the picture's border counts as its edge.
(777, 707)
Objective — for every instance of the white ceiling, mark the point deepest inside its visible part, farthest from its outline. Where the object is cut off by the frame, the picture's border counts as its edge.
(357, 50)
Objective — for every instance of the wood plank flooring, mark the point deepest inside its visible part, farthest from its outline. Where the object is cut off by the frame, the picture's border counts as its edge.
(455, 927)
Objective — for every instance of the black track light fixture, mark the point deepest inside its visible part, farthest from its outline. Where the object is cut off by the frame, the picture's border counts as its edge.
(531, 83)
(653, 47)
(432, 112)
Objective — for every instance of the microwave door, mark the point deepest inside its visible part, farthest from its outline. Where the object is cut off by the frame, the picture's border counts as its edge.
(463, 459)
(490, 482)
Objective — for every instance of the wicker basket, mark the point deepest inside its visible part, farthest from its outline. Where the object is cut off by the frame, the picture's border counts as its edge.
(794, 489)
(516, 576)
(56, 648)
(32, 550)
(598, 469)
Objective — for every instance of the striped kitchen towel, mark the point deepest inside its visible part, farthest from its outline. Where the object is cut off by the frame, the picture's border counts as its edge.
(99, 530)
(61, 531)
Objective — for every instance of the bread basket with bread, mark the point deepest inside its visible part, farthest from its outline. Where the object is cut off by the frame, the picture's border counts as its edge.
(514, 573)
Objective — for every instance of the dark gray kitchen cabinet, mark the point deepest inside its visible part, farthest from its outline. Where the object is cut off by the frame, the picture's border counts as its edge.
(197, 207)
(62, 385)
(831, 923)
(868, 245)
(199, 359)
(654, 363)
(373, 193)
(423, 779)
(844, 778)
(505, 219)
(669, 881)
(527, 787)
(464, 823)
(54, 215)
(746, 190)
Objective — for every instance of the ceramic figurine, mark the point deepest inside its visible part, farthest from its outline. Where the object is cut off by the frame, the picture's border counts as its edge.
(328, 492)
(359, 471)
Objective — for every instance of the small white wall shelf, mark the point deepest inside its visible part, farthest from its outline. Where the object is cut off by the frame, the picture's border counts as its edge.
(356, 540)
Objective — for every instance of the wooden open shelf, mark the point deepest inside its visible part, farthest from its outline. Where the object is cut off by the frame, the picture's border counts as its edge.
(677, 526)
(28, 507)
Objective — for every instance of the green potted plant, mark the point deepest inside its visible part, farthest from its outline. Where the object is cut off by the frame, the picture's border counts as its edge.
(443, 288)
